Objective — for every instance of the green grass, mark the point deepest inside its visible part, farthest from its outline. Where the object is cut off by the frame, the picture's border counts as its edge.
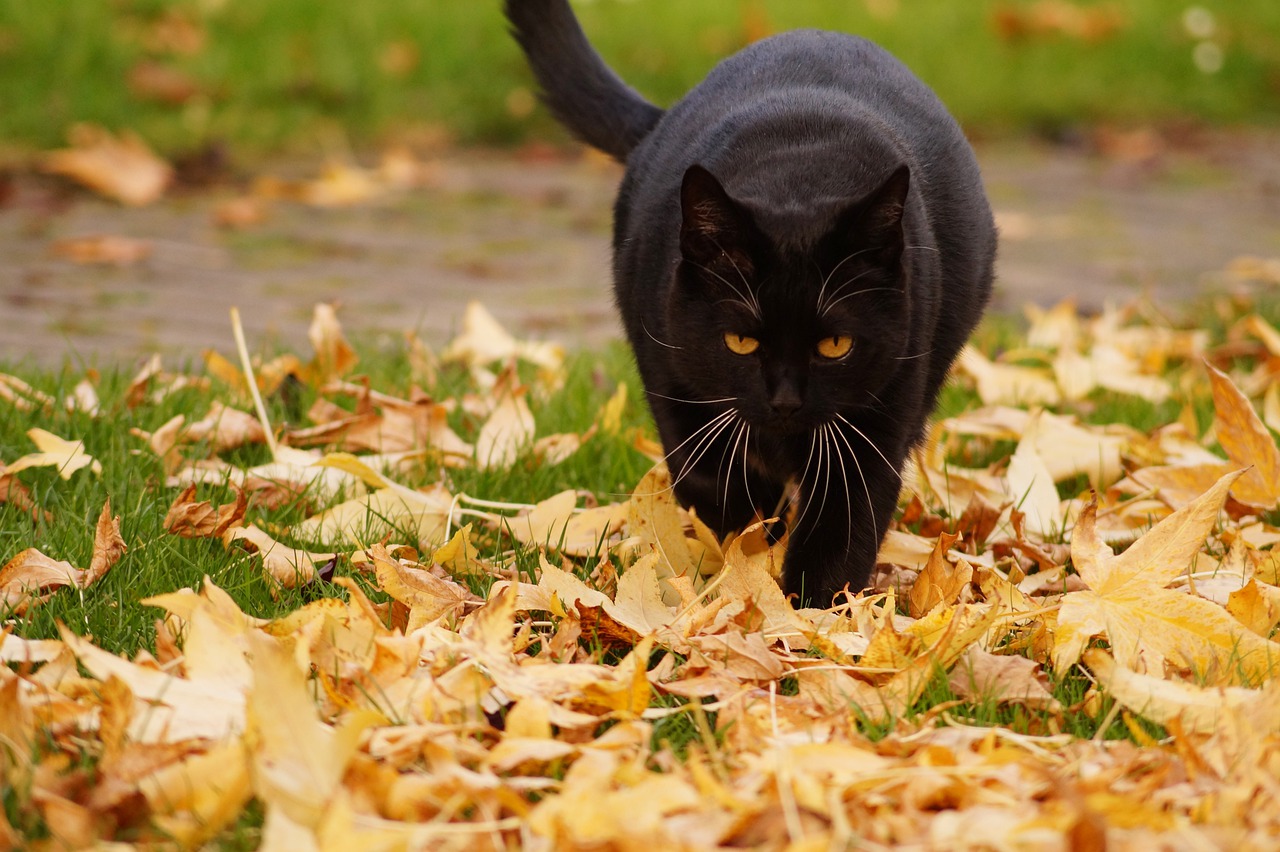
(303, 76)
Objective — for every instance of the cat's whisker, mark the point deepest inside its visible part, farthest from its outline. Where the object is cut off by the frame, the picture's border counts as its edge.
(871, 443)
(835, 302)
(804, 510)
(746, 452)
(747, 284)
(703, 446)
(656, 340)
(827, 278)
(701, 433)
(749, 303)
(924, 354)
(865, 487)
(726, 454)
(824, 456)
(692, 401)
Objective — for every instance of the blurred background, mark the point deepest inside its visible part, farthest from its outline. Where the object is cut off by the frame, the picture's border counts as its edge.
(264, 76)
(392, 154)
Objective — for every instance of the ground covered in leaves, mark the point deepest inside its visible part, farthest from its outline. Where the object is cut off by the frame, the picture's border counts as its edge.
(293, 607)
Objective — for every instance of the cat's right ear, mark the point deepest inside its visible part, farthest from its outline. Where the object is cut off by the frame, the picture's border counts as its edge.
(712, 225)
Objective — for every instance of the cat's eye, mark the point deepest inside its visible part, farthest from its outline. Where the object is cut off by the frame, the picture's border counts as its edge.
(740, 344)
(835, 347)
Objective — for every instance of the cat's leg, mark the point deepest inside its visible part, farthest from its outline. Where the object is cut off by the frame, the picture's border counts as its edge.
(847, 500)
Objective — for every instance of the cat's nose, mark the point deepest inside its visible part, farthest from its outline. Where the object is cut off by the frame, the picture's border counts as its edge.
(786, 400)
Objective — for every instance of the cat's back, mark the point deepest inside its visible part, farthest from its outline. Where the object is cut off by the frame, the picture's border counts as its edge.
(808, 79)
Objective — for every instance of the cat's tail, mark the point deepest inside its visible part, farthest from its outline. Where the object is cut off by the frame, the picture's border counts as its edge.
(579, 89)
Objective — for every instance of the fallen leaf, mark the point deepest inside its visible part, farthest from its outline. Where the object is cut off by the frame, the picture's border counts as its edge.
(1128, 602)
(1247, 443)
(285, 565)
(508, 430)
(191, 519)
(66, 456)
(105, 250)
(120, 167)
(1004, 679)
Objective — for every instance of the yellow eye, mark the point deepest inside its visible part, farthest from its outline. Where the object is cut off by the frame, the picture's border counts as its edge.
(835, 347)
(740, 345)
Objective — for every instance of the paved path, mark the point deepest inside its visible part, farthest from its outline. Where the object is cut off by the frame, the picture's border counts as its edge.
(529, 237)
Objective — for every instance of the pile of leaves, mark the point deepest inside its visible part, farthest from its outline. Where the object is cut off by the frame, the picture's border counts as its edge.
(1068, 643)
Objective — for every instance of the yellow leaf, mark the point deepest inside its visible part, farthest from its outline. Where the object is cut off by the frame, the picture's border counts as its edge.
(288, 566)
(193, 801)
(427, 595)
(386, 510)
(508, 430)
(1197, 709)
(66, 456)
(1256, 607)
(656, 519)
(334, 356)
(1004, 384)
(610, 416)
(1246, 441)
(484, 341)
(298, 760)
(1030, 487)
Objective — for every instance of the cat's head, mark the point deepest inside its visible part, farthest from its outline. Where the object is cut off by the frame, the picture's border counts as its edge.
(796, 333)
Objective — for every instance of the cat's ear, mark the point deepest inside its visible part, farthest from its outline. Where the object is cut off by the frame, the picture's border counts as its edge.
(874, 224)
(712, 225)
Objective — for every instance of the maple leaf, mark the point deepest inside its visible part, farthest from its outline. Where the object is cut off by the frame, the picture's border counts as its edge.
(1247, 443)
(427, 596)
(1128, 601)
(298, 761)
(557, 522)
(334, 356)
(1195, 708)
(66, 456)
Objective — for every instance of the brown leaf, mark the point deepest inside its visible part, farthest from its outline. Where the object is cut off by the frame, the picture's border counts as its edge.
(30, 574)
(108, 547)
(155, 81)
(122, 168)
(334, 357)
(941, 582)
(105, 250)
(191, 519)
(980, 677)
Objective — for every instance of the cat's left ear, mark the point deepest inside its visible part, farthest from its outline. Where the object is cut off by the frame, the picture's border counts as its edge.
(875, 223)
(712, 225)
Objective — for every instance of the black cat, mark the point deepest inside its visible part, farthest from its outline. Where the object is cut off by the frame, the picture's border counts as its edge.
(801, 247)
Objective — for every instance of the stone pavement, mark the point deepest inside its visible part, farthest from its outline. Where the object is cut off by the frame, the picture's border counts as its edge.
(530, 238)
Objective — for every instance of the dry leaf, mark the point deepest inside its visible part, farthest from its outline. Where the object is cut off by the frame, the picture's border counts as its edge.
(105, 250)
(120, 167)
(66, 456)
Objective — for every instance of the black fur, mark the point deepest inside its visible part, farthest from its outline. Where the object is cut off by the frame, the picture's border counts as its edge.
(810, 188)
